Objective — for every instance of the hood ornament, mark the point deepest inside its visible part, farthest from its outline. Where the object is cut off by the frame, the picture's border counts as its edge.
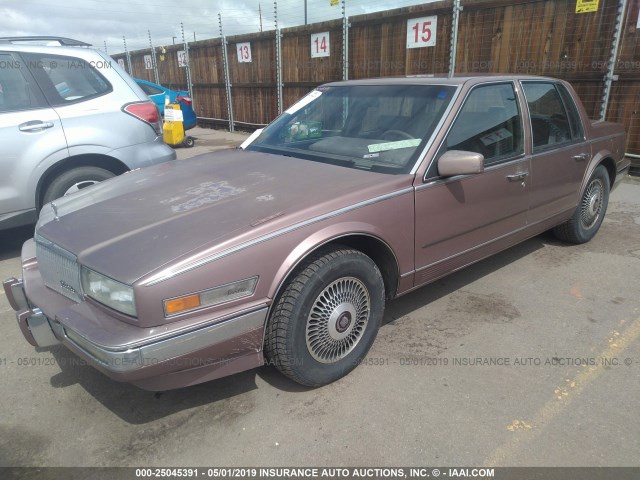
(55, 211)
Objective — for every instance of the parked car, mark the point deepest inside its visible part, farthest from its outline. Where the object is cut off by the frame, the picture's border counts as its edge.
(161, 95)
(288, 250)
(69, 117)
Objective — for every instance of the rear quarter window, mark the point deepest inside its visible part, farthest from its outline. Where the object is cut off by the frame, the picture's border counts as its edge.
(550, 123)
(66, 80)
(149, 90)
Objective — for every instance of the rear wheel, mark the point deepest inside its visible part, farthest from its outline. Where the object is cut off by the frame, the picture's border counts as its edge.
(73, 181)
(327, 318)
(586, 220)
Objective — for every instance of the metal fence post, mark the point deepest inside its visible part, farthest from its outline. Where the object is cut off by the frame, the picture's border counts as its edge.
(153, 60)
(126, 52)
(227, 82)
(345, 41)
(188, 67)
(453, 49)
(613, 57)
(278, 60)
(105, 47)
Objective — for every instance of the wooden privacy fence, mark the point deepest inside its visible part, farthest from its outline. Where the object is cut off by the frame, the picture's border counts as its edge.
(493, 36)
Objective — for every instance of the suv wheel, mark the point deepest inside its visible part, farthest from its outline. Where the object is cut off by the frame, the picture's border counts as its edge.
(74, 180)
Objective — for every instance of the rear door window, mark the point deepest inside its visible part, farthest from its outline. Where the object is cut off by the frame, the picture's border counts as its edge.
(550, 125)
(16, 92)
(66, 80)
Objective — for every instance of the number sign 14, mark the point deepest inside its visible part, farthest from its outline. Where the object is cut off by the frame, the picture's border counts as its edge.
(421, 32)
(320, 46)
(244, 52)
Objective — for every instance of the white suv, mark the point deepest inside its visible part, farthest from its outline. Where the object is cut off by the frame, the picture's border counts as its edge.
(69, 117)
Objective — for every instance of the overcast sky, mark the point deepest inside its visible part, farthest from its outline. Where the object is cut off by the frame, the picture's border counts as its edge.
(100, 21)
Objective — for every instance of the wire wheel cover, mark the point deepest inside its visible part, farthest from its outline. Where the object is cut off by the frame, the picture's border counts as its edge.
(592, 203)
(338, 319)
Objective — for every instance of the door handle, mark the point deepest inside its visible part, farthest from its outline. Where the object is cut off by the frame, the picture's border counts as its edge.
(516, 177)
(34, 126)
(581, 157)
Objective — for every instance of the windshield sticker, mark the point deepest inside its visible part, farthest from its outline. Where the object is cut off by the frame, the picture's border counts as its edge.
(382, 147)
(303, 102)
(495, 137)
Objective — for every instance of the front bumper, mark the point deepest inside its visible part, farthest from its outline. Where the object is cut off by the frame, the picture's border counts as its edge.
(190, 355)
(33, 324)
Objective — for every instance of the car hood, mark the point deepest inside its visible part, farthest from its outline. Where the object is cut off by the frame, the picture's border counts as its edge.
(135, 224)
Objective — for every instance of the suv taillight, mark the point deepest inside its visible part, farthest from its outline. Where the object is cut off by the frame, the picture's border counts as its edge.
(145, 111)
(185, 100)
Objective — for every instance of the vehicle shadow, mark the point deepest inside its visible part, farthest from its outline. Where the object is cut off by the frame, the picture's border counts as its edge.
(11, 241)
(402, 306)
(410, 302)
(136, 406)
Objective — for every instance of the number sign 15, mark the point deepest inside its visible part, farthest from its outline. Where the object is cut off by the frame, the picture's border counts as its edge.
(320, 45)
(421, 32)
(244, 52)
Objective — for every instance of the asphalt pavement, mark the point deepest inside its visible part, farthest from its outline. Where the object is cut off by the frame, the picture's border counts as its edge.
(528, 358)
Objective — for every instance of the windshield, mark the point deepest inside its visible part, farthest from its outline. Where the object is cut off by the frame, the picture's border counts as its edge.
(372, 127)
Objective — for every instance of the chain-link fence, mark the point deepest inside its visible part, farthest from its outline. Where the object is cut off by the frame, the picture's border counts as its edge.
(591, 43)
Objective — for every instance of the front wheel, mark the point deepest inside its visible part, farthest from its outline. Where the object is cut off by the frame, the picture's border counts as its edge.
(327, 318)
(73, 181)
(586, 220)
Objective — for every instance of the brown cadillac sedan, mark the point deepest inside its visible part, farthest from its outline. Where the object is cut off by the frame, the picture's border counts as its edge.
(286, 251)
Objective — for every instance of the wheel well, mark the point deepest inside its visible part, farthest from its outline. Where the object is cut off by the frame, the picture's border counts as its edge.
(610, 165)
(378, 251)
(89, 160)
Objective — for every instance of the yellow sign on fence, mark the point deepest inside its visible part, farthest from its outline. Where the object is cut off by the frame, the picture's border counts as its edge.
(586, 6)
(334, 3)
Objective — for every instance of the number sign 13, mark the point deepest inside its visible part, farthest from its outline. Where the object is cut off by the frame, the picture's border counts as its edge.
(244, 52)
(421, 32)
(182, 58)
(320, 45)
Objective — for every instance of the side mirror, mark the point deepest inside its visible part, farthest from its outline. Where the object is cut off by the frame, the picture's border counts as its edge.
(458, 162)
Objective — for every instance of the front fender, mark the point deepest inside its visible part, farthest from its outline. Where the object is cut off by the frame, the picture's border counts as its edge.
(316, 240)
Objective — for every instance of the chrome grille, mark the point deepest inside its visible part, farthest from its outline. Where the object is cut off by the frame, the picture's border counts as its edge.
(59, 269)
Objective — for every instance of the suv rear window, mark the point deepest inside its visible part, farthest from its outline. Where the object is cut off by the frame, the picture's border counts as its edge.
(66, 79)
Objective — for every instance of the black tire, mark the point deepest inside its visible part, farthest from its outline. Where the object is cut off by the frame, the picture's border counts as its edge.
(80, 177)
(586, 220)
(188, 142)
(327, 317)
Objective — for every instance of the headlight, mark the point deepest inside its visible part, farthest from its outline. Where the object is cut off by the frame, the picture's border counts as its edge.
(213, 296)
(108, 292)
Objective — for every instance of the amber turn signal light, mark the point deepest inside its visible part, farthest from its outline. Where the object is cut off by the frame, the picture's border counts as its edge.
(180, 304)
